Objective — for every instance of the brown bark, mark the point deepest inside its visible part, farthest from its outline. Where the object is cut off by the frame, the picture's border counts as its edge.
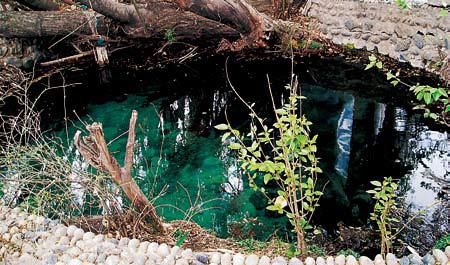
(95, 150)
(33, 24)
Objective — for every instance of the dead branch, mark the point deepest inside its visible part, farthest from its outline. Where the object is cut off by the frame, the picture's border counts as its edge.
(94, 149)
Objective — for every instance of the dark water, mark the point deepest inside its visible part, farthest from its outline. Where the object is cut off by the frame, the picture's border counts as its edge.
(363, 135)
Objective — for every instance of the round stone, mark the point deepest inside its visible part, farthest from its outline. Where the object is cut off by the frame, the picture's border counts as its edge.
(350, 260)
(215, 258)
(78, 234)
(379, 260)
(75, 262)
(252, 260)
(88, 236)
(134, 244)
(187, 254)
(391, 259)
(112, 260)
(226, 259)
(363, 260)
(440, 256)
(447, 251)
(295, 261)
(310, 261)
(163, 250)
(428, 260)
(340, 260)
(61, 231)
(279, 261)
(143, 246)
(202, 258)
(175, 251)
(404, 261)
(182, 262)
(238, 259)
(124, 241)
(320, 261)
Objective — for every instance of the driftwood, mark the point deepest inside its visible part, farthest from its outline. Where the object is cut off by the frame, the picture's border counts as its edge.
(94, 149)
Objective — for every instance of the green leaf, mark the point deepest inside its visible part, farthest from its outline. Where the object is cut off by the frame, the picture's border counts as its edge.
(389, 75)
(427, 98)
(443, 12)
(235, 146)
(394, 82)
(221, 127)
(376, 183)
(225, 136)
(267, 178)
(379, 65)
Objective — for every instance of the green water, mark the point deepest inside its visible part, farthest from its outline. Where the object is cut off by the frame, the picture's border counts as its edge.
(361, 138)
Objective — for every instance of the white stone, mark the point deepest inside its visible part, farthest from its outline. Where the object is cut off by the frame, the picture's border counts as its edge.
(447, 251)
(77, 234)
(187, 254)
(440, 256)
(295, 261)
(238, 259)
(181, 262)
(379, 260)
(27, 259)
(61, 231)
(226, 259)
(350, 260)
(139, 259)
(330, 261)
(88, 236)
(215, 258)
(279, 261)
(74, 251)
(134, 244)
(264, 260)
(310, 261)
(175, 251)
(124, 241)
(363, 260)
(320, 261)
(391, 259)
(143, 247)
(252, 260)
(112, 260)
(163, 250)
(75, 262)
(64, 240)
(70, 230)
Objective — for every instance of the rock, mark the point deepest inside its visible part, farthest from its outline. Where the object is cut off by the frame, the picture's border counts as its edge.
(124, 241)
(99, 238)
(187, 254)
(252, 260)
(175, 251)
(202, 258)
(415, 260)
(310, 261)
(363, 260)
(112, 260)
(215, 258)
(75, 262)
(428, 260)
(88, 236)
(61, 231)
(77, 234)
(295, 261)
(74, 251)
(279, 261)
(379, 260)
(340, 260)
(350, 260)
(330, 261)
(152, 247)
(27, 259)
(134, 244)
(447, 251)
(181, 262)
(320, 261)
(418, 40)
(391, 259)
(375, 39)
(50, 259)
(440, 256)
(163, 250)
(238, 259)
(404, 261)
(226, 259)
(264, 260)
(402, 44)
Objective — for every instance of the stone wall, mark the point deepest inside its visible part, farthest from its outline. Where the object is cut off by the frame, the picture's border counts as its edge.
(418, 35)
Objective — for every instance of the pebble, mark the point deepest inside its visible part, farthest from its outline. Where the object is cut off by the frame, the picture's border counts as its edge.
(391, 259)
(226, 259)
(215, 258)
(404, 261)
(320, 261)
(310, 261)
(264, 260)
(295, 261)
(428, 260)
(363, 260)
(202, 258)
(330, 261)
(350, 260)
(134, 244)
(279, 261)
(440, 256)
(238, 259)
(88, 236)
(163, 250)
(252, 260)
(379, 260)
(112, 260)
(340, 260)
(447, 251)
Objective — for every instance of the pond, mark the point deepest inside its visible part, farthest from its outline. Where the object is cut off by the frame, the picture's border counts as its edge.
(364, 135)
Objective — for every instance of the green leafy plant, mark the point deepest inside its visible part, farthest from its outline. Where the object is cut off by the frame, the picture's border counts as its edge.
(428, 97)
(317, 251)
(180, 237)
(443, 242)
(251, 244)
(169, 35)
(282, 155)
(403, 4)
(385, 205)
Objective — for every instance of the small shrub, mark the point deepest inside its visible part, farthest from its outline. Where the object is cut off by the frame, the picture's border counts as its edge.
(443, 242)
(348, 252)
